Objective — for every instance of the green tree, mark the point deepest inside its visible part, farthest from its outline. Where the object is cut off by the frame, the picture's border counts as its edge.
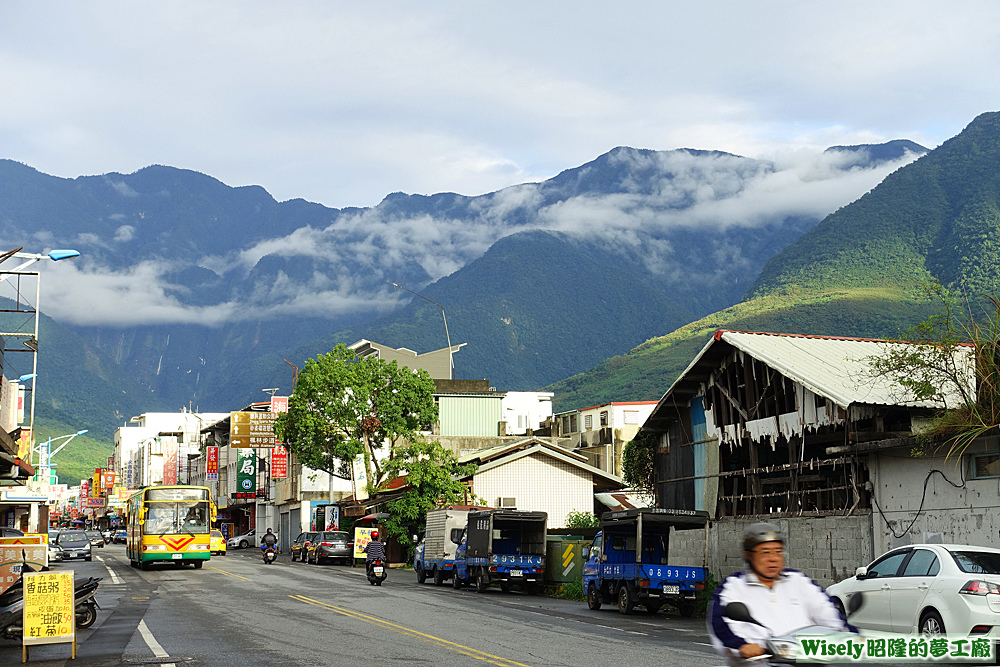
(582, 520)
(639, 463)
(344, 406)
(432, 474)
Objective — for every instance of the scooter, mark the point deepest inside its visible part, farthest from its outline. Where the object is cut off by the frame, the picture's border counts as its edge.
(269, 554)
(376, 572)
(783, 649)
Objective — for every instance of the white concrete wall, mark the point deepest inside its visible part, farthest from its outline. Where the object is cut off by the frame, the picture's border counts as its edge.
(969, 514)
(540, 484)
(525, 409)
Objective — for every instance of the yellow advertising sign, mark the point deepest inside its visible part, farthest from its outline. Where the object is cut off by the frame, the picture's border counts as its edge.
(24, 444)
(49, 614)
(362, 536)
(36, 553)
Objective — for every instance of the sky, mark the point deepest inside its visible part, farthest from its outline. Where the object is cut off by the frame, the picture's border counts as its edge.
(343, 103)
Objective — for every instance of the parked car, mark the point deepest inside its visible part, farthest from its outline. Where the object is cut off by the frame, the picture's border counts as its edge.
(243, 541)
(120, 536)
(10, 532)
(330, 545)
(300, 545)
(218, 543)
(74, 544)
(55, 553)
(96, 538)
(928, 588)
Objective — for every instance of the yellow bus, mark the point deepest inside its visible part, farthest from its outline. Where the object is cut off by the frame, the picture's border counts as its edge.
(169, 523)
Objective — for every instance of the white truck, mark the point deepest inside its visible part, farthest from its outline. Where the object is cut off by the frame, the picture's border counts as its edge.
(435, 555)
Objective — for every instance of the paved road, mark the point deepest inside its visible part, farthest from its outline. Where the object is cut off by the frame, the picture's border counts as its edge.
(237, 611)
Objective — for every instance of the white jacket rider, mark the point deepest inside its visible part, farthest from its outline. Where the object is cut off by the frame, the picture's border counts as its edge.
(782, 599)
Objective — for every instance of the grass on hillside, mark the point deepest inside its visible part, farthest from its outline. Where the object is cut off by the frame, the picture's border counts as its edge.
(646, 372)
(80, 457)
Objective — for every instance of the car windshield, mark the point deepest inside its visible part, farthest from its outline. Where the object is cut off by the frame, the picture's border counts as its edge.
(977, 562)
(73, 537)
(94, 534)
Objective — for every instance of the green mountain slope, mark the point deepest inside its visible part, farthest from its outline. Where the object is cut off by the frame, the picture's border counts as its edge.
(857, 273)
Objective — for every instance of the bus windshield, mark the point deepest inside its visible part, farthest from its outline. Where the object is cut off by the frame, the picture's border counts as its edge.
(167, 518)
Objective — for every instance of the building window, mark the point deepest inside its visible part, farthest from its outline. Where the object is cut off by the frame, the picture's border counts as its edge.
(632, 417)
(985, 466)
(588, 421)
(574, 421)
(604, 418)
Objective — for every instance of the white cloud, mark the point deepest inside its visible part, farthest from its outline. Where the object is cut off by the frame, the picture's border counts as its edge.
(124, 233)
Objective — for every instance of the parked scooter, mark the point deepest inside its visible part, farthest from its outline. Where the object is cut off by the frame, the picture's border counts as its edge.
(376, 572)
(782, 649)
(269, 554)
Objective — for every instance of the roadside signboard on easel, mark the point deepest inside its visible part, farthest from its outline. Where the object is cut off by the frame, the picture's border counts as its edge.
(49, 610)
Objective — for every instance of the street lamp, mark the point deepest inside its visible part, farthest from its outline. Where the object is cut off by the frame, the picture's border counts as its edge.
(49, 454)
(451, 362)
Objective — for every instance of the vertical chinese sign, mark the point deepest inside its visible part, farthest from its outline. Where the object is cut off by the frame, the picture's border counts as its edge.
(279, 462)
(212, 463)
(246, 473)
(49, 616)
(170, 463)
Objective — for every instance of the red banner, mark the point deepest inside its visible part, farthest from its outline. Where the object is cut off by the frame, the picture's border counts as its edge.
(212, 463)
(279, 404)
(170, 463)
(279, 461)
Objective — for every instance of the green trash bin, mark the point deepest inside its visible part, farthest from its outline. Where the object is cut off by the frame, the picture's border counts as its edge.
(564, 559)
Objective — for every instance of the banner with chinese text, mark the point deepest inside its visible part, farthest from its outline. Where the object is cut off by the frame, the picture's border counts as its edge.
(170, 462)
(49, 616)
(212, 463)
(246, 473)
(279, 462)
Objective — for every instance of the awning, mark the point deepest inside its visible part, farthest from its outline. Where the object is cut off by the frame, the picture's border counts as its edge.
(622, 500)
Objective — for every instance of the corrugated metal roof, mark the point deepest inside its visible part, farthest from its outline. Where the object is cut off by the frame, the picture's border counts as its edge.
(839, 369)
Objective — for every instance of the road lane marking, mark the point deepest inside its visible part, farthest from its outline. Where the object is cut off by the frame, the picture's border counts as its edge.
(99, 558)
(229, 574)
(114, 577)
(153, 645)
(403, 630)
(703, 644)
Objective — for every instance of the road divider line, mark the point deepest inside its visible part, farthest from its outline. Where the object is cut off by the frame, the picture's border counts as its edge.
(229, 574)
(115, 579)
(99, 558)
(153, 645)
(416, 634)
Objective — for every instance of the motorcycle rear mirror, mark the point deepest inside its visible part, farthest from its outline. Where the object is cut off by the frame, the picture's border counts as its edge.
(737, 611)
(854, 602)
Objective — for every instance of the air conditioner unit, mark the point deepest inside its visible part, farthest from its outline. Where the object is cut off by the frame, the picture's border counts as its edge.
(507, 503)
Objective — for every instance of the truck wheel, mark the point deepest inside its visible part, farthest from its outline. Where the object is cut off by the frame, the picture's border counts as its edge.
(531, 588)
(653, 607)
(625, 600)
(421, 575)
(593, 597)
(482, 583)
(456, 581)
(686, 608)
(438, 577)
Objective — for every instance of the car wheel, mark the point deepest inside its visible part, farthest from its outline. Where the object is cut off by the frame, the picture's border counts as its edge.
(438, 577)
(421, 575)
(244, 544)
(931, 623)
(625, 600)
(593, 597)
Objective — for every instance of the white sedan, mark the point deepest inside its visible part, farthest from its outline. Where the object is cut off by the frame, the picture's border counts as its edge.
(928, 588)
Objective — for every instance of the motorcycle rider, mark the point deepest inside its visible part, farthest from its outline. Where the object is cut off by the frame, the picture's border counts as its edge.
(780, 598)
(373, 550)
(267, 541)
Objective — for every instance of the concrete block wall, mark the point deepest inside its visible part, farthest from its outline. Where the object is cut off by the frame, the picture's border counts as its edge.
(827, 549)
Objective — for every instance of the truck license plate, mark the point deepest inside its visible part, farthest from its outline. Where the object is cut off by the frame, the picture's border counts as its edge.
(671, 590)
(516, 573)
(177, 556)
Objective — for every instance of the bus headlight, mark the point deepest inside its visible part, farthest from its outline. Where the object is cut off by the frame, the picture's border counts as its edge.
(154, 547)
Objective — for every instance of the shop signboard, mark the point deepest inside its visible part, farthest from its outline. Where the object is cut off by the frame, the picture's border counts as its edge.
(92, 503)
(95, 485)
(49, 615)
(279, 462)
(362, 536)
(360, 475)
(246, 473)
(24, 442)
(279, 404)
(212, 463)
(252, 429)
(170, 462)
(109, 478)
(36, 553)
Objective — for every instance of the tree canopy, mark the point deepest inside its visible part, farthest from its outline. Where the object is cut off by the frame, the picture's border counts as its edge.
(344, 406)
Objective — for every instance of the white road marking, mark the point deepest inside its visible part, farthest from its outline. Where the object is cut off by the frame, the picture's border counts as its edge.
(99, 558)
(153, 645)
(115, 579)
(703, 644)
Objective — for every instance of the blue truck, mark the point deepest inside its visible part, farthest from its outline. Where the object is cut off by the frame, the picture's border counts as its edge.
(505, 547)
(627, 562)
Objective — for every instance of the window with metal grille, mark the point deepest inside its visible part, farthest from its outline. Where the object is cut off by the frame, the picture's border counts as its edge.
(631, 416)
(588, 421)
